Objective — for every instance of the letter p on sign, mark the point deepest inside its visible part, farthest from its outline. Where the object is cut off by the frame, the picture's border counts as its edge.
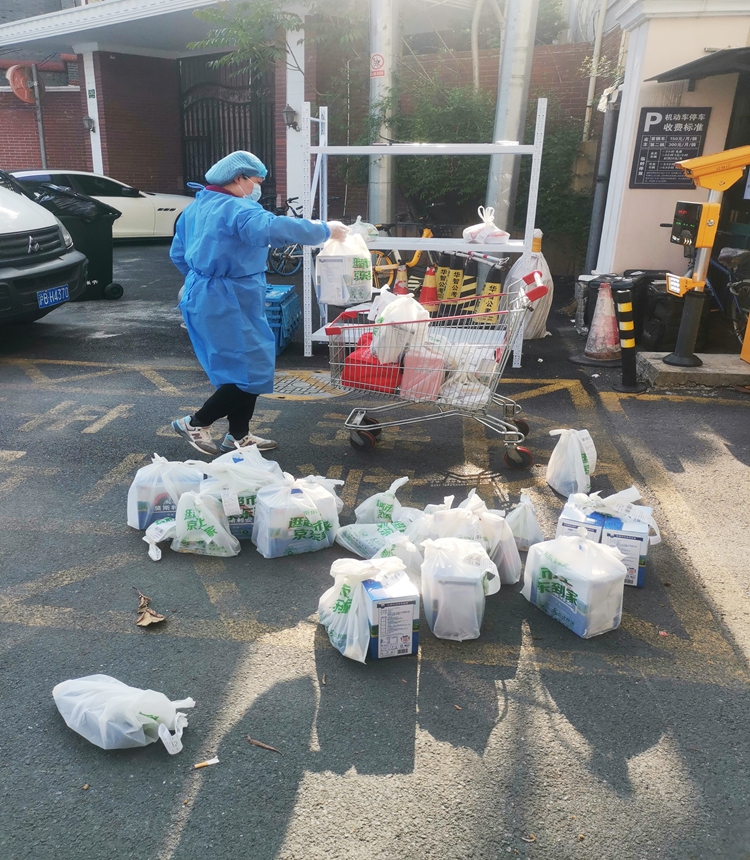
(652, 118)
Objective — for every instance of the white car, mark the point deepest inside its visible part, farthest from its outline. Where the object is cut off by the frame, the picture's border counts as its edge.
(144, 213)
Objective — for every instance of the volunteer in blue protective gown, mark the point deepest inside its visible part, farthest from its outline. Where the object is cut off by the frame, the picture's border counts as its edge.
(220, 246)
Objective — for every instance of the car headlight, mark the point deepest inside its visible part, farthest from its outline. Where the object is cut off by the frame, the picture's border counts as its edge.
(67, 238)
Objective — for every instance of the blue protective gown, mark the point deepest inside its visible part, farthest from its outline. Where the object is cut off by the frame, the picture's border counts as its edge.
(220, 246)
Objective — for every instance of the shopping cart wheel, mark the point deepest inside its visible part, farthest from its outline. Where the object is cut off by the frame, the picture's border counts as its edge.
(518, 458)
(113, 291)
(377, 430)
(522, 426)
(362, 440)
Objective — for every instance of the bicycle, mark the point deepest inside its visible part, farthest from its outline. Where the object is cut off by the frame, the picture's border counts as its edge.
(733, 264)
(386, 263)
(286, 261)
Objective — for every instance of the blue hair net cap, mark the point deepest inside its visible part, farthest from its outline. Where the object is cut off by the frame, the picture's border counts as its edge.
(238, 163)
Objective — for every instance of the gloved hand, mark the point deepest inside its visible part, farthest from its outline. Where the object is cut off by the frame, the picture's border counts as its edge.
(339, 231)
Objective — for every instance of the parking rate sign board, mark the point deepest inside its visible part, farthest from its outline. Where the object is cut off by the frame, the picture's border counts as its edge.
(667, 135)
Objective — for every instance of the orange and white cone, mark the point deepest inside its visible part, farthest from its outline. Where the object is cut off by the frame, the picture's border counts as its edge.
(428, 297)
(401, 286)
(603, 343)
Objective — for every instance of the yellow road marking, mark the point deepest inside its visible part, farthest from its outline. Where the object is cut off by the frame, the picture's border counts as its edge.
(118, 412)
(123, 473)
(18, 474)
(54, 412)
(9, 456)
(159, 381)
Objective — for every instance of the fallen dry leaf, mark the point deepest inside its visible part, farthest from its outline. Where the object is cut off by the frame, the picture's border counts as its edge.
(86, 787)
(262, 745)
(458, 707)
(323, 680)
(529, 838)
(581, 837)
(146, 615)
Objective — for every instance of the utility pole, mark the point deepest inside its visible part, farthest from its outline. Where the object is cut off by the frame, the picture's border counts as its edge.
(510, 110)
(383, 41)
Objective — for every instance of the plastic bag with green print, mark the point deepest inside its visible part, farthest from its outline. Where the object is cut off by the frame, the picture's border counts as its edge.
(342, 610)
(202, 528)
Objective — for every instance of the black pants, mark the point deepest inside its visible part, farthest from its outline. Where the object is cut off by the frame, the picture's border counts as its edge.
(229, 402)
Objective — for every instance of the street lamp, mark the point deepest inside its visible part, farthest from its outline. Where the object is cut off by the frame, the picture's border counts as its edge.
(290, 118)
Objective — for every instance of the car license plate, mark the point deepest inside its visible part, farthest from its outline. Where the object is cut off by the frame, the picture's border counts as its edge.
(54, 296)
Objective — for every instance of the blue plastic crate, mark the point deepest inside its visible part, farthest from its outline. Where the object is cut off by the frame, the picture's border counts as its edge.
(283, 313)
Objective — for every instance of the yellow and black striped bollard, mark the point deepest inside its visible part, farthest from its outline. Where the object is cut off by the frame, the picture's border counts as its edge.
(625, 320)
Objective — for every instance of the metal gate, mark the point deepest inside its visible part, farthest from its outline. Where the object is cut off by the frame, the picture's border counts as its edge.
(224, 110)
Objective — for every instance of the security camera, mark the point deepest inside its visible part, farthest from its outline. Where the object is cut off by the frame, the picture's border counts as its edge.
(718, 171)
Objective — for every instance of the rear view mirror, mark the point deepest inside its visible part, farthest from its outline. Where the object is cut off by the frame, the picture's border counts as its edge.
(130, 192)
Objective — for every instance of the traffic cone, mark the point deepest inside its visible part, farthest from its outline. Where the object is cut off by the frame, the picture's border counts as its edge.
(455, 278)
(603, 344)
(489, 300)
(428, 297)
(468, 292)
(442, 274)
(401, 287)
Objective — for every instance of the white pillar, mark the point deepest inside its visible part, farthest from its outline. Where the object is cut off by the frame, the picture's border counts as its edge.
(620, 170)
(295, 97)
(383, 40)
(92, 106)
(510, 111)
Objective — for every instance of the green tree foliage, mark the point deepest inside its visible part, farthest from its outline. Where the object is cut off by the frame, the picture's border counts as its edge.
(443, 114)
(248, 31)
(560, 210)
(551, 21)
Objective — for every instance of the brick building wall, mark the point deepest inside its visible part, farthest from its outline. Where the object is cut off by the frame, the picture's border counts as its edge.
(66, 139)
(139, 119)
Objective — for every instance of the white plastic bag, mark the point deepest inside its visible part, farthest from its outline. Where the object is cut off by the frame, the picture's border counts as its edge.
(523, 523)
(202, 528)
(294, 517)
(487, 232)
(235, 483)
(330, 484)
(619, 505)
(382, 507)
(578, 582)
(114, 716)
(399, 546)
(456, 576)
(397, 328)
(157, 532)
(369, 232)
(572, 462)
(464, 389)
(157, 488)
(535, 324)
(343, 272)
(365, 539)
(342, 609)
(495, 535)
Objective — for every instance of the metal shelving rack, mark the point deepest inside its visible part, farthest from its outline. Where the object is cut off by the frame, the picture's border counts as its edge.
(316, 186)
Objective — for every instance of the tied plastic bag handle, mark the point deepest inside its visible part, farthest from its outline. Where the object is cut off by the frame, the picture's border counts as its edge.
(487, 214)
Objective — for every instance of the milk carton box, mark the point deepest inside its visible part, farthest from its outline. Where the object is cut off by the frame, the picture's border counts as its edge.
(572, 518)
(631, 538)
(392, 604)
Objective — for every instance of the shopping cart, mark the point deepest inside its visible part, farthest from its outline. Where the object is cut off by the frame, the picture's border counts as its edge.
(452, 361)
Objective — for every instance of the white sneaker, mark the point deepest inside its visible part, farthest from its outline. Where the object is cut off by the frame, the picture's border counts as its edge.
(198, 437)
(229, 443)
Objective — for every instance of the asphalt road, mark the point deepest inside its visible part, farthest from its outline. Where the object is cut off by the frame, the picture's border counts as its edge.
(528, 742)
